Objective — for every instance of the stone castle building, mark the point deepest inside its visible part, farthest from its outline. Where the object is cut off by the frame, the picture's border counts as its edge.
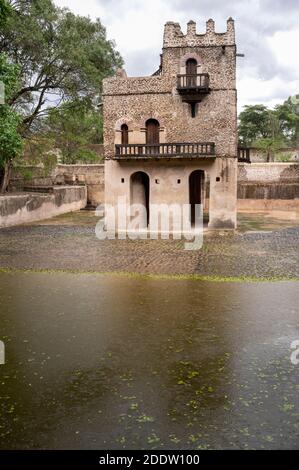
(172, 137)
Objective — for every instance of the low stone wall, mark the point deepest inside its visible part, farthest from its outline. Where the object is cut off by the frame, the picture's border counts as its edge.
(21, 208)
(258, 183)
(268, 186)
(268, 172)
(92, 175)
(256, 205)
(286, 154)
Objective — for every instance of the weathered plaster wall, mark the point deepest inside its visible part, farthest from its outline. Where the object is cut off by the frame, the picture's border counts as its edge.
(19, 208)
(91, 175)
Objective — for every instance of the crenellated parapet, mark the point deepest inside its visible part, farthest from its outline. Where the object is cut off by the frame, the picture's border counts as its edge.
(173, 36)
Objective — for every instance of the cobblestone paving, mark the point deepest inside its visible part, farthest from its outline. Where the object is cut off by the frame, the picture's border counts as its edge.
(260, 248)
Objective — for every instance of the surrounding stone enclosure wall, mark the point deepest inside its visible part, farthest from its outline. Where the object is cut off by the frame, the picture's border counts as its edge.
(32, 178)
(268, 172)
(283, 155)
(21, 208)
(256, 181)
(90, 175)
(268, 186)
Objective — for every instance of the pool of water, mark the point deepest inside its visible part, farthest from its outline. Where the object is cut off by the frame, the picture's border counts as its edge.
(99, 362)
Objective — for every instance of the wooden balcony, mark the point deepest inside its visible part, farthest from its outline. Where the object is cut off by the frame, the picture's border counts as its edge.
(193, 85)
(244, 154)
(176, 150)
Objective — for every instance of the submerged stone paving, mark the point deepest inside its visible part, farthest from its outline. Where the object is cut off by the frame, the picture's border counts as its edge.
(263, 247)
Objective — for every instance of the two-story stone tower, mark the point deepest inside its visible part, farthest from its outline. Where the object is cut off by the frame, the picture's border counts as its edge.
(172, 137)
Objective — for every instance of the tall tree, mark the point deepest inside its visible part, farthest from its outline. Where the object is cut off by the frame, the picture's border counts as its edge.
(71, 128)
(288, 117)
(281, 124)
(253, 124)
(10, 139)
(62, 57)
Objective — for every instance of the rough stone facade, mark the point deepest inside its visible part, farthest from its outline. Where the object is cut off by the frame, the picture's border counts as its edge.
(133, 101)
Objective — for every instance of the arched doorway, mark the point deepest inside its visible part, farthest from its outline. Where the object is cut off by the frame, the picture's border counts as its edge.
(124, 134)
(140, 192)
(196, 191)
(191, 72)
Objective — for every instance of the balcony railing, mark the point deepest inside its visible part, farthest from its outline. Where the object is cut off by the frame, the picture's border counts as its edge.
(193, 83)
(170, 150)
(244, 154)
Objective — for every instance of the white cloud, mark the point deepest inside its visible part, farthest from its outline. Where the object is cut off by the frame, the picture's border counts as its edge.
(267, 32)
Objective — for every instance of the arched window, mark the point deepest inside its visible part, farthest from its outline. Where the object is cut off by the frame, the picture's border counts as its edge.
(152, 131)
(191, 67)
(124, 134)
(191, 72)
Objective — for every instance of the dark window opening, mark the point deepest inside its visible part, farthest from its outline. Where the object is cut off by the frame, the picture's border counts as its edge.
(124, 134)
(140, 192)
(191, 67)
(217, 178)
(196, 194)
(123, 180)
(191, 71)
(152, 131)
(179, 181)
(193, 109)
(157, 181)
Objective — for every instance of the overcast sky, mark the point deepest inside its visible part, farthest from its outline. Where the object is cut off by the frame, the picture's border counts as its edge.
(267, 32)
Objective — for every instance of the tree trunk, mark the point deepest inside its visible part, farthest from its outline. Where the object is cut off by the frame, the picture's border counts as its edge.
(5, 177)
(270, 156)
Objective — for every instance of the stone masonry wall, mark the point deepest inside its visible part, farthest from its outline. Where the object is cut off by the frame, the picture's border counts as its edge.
(279, 175)
(268, 186)
(133, 100)
(90, 175)
(268, 172)
(283, 155)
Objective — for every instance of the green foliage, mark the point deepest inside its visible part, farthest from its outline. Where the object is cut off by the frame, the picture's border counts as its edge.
(62, 58)
(284, 157)
(27, 174)
(288, 116)
(72, 127)
(10, 140)
(270, 146)
(269, 128)
(5, 11)
(253, 123)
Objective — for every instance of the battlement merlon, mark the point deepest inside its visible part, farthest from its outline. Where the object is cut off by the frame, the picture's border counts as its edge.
(173, 36)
